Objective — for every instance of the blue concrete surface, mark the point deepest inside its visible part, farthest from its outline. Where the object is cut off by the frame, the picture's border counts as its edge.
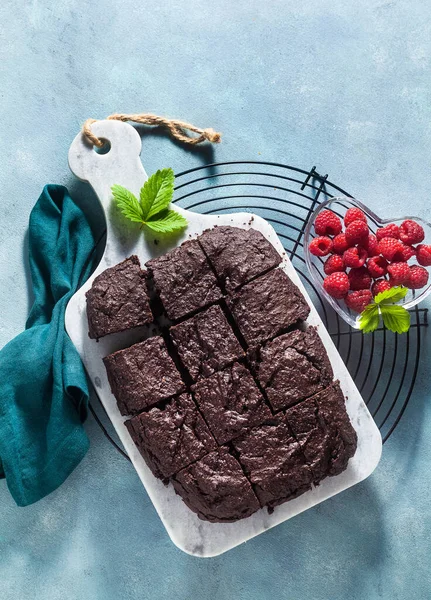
(342, 85)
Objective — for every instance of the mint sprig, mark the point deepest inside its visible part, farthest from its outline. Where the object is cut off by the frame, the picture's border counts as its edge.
(152, 209)
(395, 317)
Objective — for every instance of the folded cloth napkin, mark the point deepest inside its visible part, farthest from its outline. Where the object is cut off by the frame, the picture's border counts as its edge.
(43, 385)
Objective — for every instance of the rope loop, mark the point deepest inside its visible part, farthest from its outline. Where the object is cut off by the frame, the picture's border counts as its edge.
(180, 130)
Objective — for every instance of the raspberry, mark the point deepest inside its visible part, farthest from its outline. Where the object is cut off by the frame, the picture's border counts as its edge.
(339, 244)
(320, 246)
(371, 245)
(357, 301)
(391, 230)
(354, 214)
(356, 233)
(336, 284)
(411, 232)
(355, 257)
(381, 285)
(334, 264)
(359, 279)
(327, 223)
(388, 247)
(399, 273)
(423, 253)
(418, 277)
(377, 266)
(405, 254)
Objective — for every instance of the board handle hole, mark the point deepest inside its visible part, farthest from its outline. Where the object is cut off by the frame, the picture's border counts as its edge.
(103, 149)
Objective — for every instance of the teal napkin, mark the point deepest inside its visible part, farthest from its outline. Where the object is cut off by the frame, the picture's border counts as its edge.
(43, 385)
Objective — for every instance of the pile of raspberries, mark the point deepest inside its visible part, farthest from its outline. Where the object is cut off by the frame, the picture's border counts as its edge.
(360, 264)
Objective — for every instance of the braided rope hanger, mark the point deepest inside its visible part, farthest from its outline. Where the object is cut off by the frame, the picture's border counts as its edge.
(177, 129)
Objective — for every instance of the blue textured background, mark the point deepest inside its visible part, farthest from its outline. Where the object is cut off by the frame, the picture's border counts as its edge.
(340, 84)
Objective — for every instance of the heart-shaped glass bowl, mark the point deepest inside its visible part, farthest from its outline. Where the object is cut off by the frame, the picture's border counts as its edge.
(339, 206)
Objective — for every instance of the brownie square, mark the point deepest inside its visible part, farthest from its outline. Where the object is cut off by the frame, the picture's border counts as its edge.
(230, 400)
(331, 408)
(293, 367)
(238, 255)
(206, 342)
(322, 427)
(118, 299)
(216, 488)
(267, 306)
(274, 462)
(184, 280)
(172, 437)
(314, 437)
(142, 375)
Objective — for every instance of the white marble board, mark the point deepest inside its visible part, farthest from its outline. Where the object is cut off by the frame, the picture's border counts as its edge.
(122, 165)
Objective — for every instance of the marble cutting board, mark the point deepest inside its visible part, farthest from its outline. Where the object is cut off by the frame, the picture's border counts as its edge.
(122, 165)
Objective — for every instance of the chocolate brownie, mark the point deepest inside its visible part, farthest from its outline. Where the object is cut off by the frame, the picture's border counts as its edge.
(184, 280)
(238, 255)
(293, 367)
(274, 462)
(322, 427)
(230, 400)
(331, 408)
(118, 299)
(244, 430)
(172, 437)
(267, 306)
(314, 437)
(216, 488)
(142, 375)
(206, 342)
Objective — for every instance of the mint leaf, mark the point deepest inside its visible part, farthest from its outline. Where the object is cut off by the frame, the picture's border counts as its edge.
(156, 193)
(395, 318)
(395, 294)
(168, 222)
(369, 318)
(127, 203)
(151, 210)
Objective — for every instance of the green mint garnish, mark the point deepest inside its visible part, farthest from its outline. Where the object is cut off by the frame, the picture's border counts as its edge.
(395, 318)
(370, 318)
(152, 209)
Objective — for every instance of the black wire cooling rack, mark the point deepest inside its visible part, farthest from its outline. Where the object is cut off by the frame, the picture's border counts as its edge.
(383, 365)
